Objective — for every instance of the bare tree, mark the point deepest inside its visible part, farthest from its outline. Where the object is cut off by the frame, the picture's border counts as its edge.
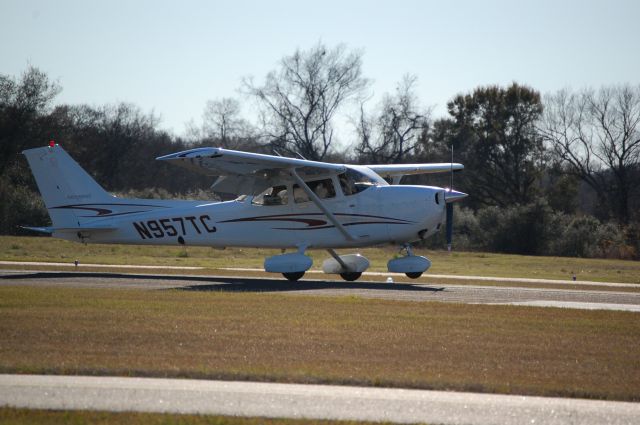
(596, 134)
(300, 99)
(395, 132)
(222, 121)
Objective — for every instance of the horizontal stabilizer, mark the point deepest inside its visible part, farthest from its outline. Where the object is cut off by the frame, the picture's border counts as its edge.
(51, 230)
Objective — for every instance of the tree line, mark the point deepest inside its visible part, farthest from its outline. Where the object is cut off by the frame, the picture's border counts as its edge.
(547, 174)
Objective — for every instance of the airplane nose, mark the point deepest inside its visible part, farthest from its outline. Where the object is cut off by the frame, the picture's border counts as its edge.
(451, 195)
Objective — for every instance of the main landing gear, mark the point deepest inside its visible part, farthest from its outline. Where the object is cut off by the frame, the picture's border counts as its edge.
(292, 265)
(293, 276)
(349, 266)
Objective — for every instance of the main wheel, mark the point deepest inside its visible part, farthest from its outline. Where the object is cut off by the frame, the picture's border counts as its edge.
(293, 276)
(413, 275)
(350, 276)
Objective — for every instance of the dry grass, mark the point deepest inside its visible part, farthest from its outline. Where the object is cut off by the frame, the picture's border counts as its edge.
(461, 263)
(345, 340)
(53, 417)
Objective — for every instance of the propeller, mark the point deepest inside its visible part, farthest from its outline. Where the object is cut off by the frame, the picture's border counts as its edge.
(449, 225)
(451, 196)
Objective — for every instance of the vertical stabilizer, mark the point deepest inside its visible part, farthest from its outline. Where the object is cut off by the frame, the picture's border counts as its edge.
(64, 185)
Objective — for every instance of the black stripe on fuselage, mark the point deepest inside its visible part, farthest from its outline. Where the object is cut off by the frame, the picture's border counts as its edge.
(105, 212)
(315, 223)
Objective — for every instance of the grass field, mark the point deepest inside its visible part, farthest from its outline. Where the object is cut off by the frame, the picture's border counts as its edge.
(348, 340)
(9, 416)
(457, 263)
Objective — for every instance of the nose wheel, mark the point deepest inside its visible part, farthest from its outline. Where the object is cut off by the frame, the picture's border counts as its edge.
(411, 265)
(409, 252)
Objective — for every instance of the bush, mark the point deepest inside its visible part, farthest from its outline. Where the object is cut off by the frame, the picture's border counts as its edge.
(20, 206)
(578, 237)
(519, 229)
(613, 242)
(535, 229)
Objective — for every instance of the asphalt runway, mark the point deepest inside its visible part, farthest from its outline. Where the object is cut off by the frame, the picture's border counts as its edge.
(304, 401)
(442, 292)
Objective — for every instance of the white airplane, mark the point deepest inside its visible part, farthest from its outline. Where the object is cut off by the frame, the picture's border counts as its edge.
(284, 203)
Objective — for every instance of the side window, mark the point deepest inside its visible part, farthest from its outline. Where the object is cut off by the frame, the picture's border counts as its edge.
(322, 188)
(276, 195)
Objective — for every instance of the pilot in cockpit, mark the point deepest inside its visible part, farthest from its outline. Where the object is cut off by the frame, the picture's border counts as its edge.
(276, 196)
(347, 184)
(321, 191)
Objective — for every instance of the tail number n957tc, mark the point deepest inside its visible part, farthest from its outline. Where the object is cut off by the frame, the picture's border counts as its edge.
(173, 226)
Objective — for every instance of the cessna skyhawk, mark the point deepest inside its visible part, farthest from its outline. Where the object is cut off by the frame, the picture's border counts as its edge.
(283, 203)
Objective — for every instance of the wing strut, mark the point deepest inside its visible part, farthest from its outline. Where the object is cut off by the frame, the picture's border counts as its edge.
(320, 205)
(338, 259)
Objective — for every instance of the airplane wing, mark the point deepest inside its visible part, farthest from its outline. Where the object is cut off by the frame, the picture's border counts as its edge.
(246, 173)
(406, 169)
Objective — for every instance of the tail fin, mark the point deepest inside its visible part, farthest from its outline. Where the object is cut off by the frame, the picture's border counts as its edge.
(65, 187)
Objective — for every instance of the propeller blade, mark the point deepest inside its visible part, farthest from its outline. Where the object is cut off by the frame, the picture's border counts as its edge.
(449, 224)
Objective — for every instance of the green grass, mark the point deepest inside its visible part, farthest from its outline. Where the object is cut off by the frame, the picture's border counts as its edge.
(457, 263)
(12, 416)
(345, 340)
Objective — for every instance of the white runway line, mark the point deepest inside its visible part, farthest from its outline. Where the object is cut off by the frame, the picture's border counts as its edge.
(576, 305)
(482, 278)
(80, 265)
(303, 401)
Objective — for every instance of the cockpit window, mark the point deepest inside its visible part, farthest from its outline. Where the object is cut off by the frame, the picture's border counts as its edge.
(322, 188)
(276, 195)
(352, 182)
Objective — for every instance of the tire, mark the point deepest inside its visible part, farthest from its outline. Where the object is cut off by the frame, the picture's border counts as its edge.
(350, 276)
(293, 276)
(413, 275)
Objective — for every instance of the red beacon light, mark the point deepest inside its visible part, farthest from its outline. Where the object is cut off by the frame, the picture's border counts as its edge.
(52, 143)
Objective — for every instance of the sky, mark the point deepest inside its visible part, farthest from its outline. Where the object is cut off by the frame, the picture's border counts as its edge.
(170, 57)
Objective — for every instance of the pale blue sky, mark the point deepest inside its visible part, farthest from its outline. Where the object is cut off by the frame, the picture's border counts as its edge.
(172, 56)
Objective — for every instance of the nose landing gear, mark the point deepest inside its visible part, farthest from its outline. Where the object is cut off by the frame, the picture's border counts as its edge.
(411, 265)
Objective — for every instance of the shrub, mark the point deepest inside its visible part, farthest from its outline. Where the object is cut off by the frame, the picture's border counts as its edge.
(20, 206)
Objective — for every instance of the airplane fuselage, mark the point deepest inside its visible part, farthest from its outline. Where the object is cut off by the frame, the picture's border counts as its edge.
(379, 214)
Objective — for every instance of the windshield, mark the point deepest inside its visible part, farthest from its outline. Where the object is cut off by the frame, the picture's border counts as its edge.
(353, 181)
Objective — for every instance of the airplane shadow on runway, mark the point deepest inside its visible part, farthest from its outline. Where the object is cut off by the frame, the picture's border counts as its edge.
(261, 285)
(232, 284)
